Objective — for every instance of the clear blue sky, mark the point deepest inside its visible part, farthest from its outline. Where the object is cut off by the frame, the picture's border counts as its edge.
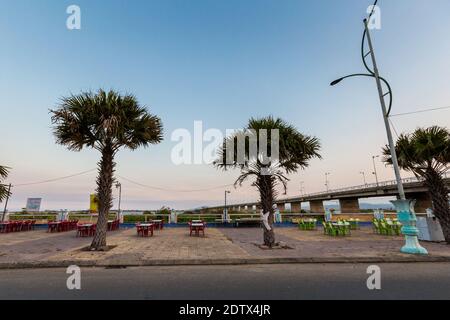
(221, 62)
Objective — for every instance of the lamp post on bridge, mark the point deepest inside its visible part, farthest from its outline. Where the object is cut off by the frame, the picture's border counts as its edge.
(403, 206)
(327, 182)
(364, 177)
(225, 211)
(375, 170)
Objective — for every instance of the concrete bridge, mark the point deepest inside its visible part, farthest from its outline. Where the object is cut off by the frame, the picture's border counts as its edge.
(348, 197)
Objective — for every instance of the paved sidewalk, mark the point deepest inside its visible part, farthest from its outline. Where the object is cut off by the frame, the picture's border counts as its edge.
(174, 246)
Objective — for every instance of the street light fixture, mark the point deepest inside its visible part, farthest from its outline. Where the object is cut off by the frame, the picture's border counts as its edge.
(119, 186)
(225, 212)
(404, 207)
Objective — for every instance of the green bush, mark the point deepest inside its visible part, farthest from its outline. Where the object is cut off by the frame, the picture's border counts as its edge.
(185, 218)
(144, 218)
(17, 217)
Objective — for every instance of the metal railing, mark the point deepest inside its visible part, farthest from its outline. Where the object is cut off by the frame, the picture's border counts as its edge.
(368, 186)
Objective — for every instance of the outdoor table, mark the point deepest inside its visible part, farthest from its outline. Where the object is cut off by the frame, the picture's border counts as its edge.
(354, 224)
(110, 222)
(145, 229)
(336, 224)
(4, 227)
(342, 227)
(83, 229)
(54, 227)
(159, 224)
(197, 228)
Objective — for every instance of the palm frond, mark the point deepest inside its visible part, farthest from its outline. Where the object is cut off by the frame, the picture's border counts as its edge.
(94, 119)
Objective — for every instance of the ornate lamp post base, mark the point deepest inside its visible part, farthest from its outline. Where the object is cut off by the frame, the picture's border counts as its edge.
(407, 217)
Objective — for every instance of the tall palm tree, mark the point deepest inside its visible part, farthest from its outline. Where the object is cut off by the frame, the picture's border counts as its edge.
(426, 153)
(3, 188)
(295, 150)
(105, 121)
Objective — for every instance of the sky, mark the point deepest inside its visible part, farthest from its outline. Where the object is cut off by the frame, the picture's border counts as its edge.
(219, 62)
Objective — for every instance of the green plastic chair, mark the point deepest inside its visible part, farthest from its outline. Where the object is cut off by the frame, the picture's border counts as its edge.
(386, 228)
(376, 226)
(332, 230)
(397, 228)
(325, 228)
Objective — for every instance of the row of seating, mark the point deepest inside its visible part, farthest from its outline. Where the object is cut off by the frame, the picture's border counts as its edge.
(387, 227)
(337, 229)
(61, 226)
(17, 226)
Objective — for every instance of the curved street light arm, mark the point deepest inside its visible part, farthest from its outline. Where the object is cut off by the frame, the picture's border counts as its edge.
(335, 82)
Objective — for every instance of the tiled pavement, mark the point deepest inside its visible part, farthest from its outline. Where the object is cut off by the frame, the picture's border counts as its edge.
(174, 244)
(312, 244)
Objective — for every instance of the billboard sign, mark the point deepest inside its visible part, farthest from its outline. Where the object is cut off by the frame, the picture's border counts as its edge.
(33, 204)
(93, 207)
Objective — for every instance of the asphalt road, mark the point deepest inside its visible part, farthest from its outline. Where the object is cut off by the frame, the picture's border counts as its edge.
(286, 282)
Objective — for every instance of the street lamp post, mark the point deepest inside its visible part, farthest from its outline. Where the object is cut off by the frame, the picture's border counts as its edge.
(364, 177)
(327, 182)
(225, 211)
(375, 169)
(302, 188)
(404, 207)
(119, 186)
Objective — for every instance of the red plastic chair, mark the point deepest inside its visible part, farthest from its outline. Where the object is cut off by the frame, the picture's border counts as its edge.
(4, 227)
(92, 230)
(82, 231)
(26, 226)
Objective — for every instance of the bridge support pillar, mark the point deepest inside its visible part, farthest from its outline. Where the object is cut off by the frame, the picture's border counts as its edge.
(349, 205)
(316, 206)
(423, 201)
(296, 207)
(258, 208)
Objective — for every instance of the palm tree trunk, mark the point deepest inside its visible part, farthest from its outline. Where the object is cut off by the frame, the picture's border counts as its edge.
(439, 196)
(265, 185)
(104, 193)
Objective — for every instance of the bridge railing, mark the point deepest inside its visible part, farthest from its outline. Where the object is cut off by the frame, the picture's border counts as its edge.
(366, 186)
(388, 183)
(372, 185)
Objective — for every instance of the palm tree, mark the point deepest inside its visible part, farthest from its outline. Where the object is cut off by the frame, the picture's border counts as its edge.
(295, 150)
(426, 153)
(105, 121)
(4, 193)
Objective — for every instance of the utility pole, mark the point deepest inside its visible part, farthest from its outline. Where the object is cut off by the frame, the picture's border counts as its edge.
(6, 202)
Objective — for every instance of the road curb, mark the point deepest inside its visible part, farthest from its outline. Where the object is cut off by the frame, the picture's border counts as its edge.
(212, 262)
